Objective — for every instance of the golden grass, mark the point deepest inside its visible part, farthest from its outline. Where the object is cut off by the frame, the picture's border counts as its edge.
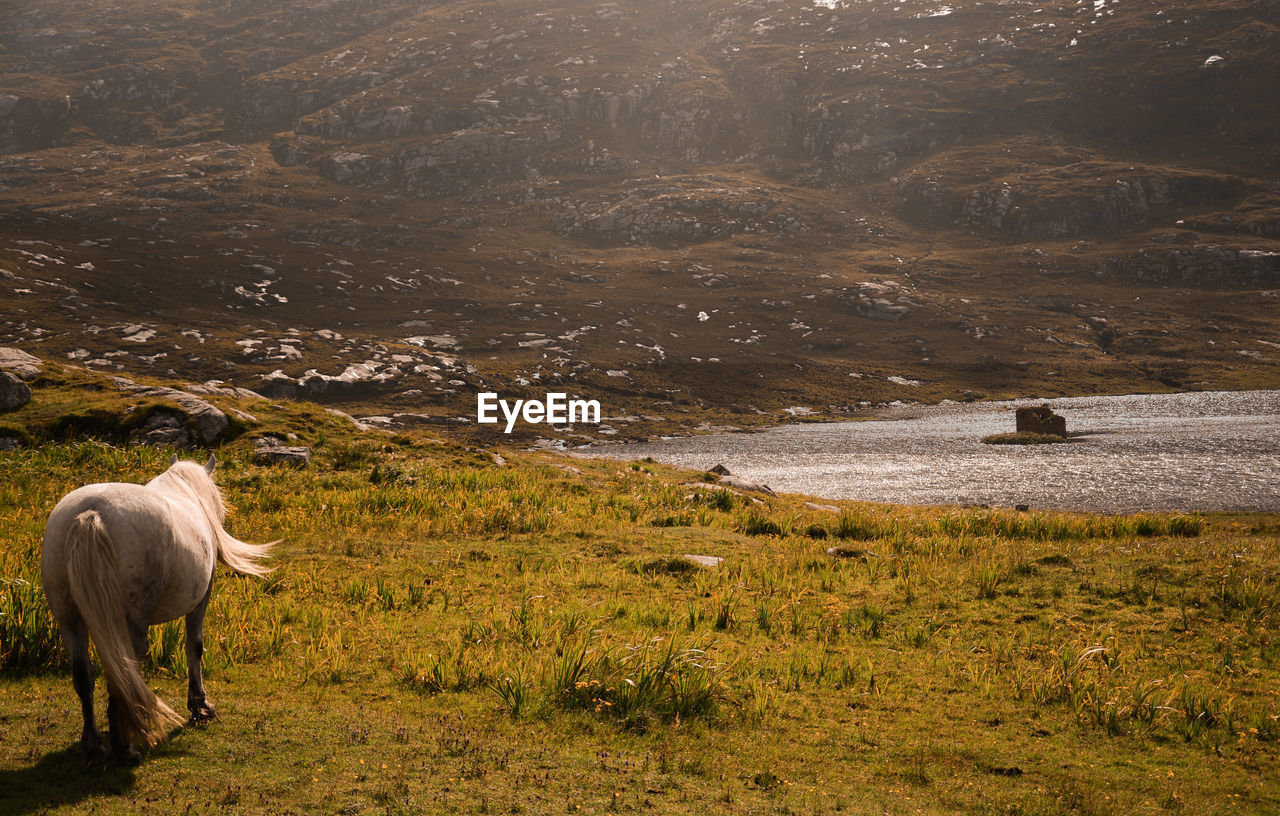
(452, 635)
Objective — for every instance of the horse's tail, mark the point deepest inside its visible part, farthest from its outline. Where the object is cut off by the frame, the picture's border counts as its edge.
(242, 556)
(94, 581)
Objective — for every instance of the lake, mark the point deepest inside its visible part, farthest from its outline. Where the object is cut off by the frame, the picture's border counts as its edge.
(1208, 451)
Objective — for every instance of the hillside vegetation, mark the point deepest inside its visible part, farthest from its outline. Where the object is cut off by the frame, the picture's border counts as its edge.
(447, 631)
(707, 210)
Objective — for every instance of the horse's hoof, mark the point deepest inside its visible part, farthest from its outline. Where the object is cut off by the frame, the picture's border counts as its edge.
(130, 757)
(94, 752)
(203, 713)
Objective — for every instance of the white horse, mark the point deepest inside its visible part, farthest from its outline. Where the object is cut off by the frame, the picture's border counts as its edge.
(117, 558)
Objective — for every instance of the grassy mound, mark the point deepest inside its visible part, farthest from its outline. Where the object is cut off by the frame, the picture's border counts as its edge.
(1023, 438)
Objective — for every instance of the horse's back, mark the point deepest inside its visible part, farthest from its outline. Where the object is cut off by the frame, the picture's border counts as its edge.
(165, 563)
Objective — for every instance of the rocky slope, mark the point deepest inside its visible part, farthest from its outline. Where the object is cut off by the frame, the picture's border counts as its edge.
(690, 209)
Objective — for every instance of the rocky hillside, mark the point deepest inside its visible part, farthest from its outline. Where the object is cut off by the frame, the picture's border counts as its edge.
(688, 209)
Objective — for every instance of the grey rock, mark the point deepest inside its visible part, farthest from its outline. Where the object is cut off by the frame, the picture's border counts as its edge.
(14, 393)
(243, 416)
(870, 299)
(269, 451)
(20, 363)
(829, 508)
(360, 426)
(743, 483)
(209, 422)
(8, 443)
(1200, 263)
(846, 551)
(163, 429)
(214, 388)
(707, 561)
(356, 380)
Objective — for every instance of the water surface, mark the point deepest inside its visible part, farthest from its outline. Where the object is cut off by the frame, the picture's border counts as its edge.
(1205, 451)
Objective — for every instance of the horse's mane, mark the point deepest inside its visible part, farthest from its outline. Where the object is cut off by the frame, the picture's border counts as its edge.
(194, 483)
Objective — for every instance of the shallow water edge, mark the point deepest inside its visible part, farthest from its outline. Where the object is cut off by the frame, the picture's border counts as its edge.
(1204, 451)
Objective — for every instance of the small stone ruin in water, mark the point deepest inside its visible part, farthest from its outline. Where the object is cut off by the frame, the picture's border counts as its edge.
(1040, 419)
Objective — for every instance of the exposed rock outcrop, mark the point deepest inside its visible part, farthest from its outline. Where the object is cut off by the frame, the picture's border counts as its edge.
(208, 422)
(20, 363)
(1046, 202)
(32, 123)
(162, 429)
(369, 377)
(872, 300)
(678, 212)
(1201, 263)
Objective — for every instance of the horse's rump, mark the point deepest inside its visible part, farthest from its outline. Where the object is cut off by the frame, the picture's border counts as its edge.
(93, 582)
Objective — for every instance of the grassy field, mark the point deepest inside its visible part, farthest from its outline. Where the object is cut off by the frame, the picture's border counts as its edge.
(445, 634)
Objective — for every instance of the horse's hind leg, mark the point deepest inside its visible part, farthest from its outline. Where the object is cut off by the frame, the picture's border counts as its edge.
(121, 748)
(201, 709)
(76, 639)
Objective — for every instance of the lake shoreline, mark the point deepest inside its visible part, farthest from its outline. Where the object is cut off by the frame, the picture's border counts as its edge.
(1201, 451)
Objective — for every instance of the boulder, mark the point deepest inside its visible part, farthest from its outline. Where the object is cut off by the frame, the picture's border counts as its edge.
(163, 429)
(270, 451)
(18, 362)
(209, 422)
(14, 393)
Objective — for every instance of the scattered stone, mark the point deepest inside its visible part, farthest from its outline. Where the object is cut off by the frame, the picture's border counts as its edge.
(270, 451)
(8, 443)
(217, 388)
(743, 483)
(360, 426)
(14, 393)
(830, 508)
(846, 551)
(708, 561)
(20, 363)
(708, 486)
(401, 419)
(243, 416)
(498, 460)
(719, 470)
(356, 380)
